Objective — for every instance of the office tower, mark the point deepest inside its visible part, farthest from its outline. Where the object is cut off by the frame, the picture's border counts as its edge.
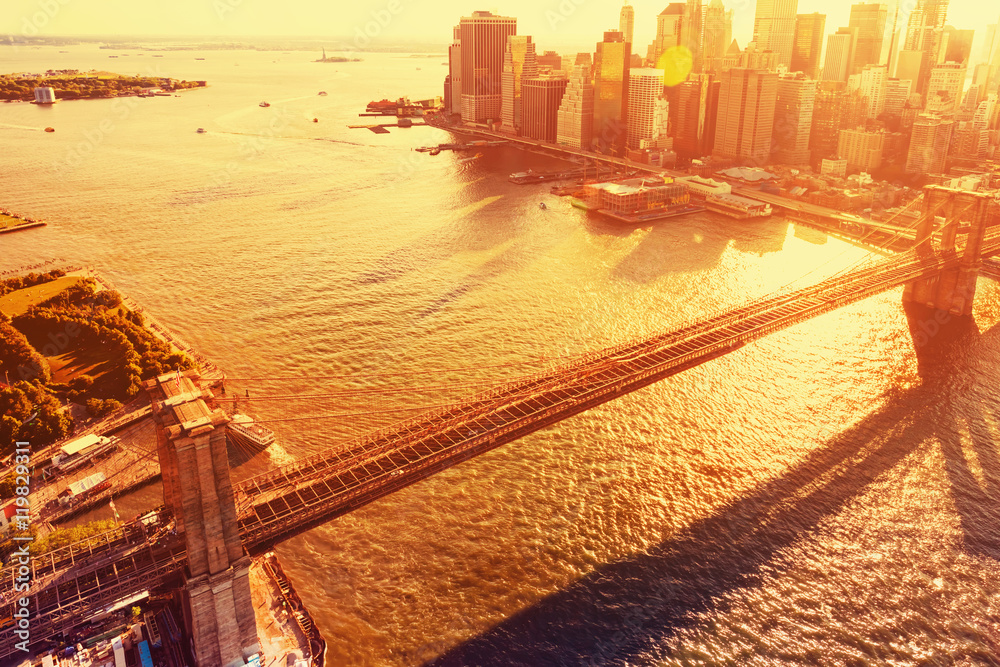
(691, 31)
(455, 72)
(897, 91)
(692, 114)
(956, 45)
(873, 83)
(947, 82)
(542, 96)
(977, 91)
(519, 63)
(908, 66)
(924, 33)
(808, 44)
(575, 120)
(834, 109)
(971, 138)
(611, 93)
(484, 41)
(793, 113)
(861, 149)
(647, 107)
(718, 33)
(753, 57)
(626, 21)
(840, 48)
(669, 31)
(746, 115)
(774, 27)
(869, 19)
(550, 60)
(929, 143)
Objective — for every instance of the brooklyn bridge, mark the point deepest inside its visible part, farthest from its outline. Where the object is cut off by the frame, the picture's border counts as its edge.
(207, 527)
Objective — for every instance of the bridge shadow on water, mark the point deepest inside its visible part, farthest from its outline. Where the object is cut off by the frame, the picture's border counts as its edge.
(625, 608)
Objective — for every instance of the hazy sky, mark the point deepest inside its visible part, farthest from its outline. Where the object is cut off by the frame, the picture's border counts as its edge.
(553, 23)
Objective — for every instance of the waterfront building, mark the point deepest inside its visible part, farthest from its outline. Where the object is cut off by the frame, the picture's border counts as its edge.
(693, 115)
(793, 113)
(454, 84)
(718, 33)
(636, 195)
(745, 119)
(861, 149)
(626, 22)
(541, 98)
(611, 66)
(647, 106)
(873, 84)
(897, 91)
(808, 44)
(840, 54)
(929, 142)
(483, 39)
(45, 95)
(774, 28)
(946, 82)
(575, 118)
(869, 19)
(519, 63)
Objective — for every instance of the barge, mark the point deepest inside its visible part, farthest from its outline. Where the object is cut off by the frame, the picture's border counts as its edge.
(737, 207)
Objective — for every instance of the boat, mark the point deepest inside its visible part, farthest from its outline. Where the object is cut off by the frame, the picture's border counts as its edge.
(737, 207)
(199, 58)
(201, 130)
(470, 159)
(264, 104)
(435, 151)
(542, 205)
(246, 434)
(50, 129)
(322, 93)
(315, 120)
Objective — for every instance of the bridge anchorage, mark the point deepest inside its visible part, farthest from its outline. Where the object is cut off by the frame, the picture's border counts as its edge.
(216, 525)
(966, 219)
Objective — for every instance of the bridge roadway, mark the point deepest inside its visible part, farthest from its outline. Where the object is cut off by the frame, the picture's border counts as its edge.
(81, 579)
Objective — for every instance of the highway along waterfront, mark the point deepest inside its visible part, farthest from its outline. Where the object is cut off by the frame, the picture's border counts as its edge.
(826, 495)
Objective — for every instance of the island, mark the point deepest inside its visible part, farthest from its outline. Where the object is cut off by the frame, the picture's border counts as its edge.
(76, 85)
(336, 59)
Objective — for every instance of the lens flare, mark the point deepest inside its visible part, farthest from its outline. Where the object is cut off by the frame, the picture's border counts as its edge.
(676, 63)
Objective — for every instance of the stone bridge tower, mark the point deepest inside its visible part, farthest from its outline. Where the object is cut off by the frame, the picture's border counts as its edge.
(191, 443)
(967, 216)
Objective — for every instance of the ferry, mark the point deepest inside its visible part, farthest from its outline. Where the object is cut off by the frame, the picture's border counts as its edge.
(264, 105)
(243, 432)
(201, 130)
(737, 207)
(322, 93)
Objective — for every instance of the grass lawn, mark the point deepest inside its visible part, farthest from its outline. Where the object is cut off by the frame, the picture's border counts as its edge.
(7, 221)
(18, 302)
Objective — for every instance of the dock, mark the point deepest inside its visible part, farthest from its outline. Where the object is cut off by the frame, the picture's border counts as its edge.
(12, 222)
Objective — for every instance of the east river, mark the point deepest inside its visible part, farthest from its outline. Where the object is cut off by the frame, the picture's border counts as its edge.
(828, 495)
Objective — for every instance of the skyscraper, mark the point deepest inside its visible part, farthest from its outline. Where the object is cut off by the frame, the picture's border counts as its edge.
(956, 45)
(745, 119)
(897, 91)
(484, 41)
(693, 114)
(575, 120)
(834, 109)
(861, 149)
(840, 54)
(611, 67)
(873, 82)
(929, 144)
(691, 31)
(541, 98)
(869, 19)
(669, 29)
(947, 81)
(455, 72)
(519, 63)
(808, 44)
(924, 33)
(647, 106)
(718, 33)
(774, 27)
(793, 113)
(626, 21)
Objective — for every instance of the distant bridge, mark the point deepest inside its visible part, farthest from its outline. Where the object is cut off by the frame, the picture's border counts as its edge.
(78, 580)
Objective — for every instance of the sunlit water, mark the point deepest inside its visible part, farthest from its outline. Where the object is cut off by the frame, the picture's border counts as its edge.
(823, 496)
